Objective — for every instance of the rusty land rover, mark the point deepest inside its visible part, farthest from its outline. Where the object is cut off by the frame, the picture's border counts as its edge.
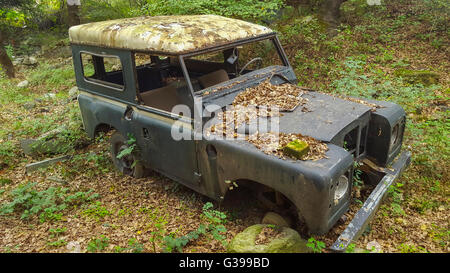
(162, 83)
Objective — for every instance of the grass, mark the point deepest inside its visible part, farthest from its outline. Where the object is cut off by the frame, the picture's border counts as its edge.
(372, 44)
(364, 60)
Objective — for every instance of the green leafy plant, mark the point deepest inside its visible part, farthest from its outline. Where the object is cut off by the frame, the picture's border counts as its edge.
(315, 245)
(5, 181)
(408, 248)
(134, 246)
(98, 244)
(97, 211)
(48, 204)
(55, 233)
(396, 193)
(357, 181)
(131, 147)
(57, 243)
(7, 155)
(157, 235)
(350, 248)
(245, 9)
(215, 228)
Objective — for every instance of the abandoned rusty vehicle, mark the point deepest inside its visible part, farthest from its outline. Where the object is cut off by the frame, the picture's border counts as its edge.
(133, 73)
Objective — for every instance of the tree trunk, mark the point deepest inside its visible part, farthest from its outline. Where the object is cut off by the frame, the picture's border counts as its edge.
(73, 10)
(5, 61)
(330, 14)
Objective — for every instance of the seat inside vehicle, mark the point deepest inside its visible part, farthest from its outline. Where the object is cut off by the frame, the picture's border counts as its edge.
(164, 98)
(213, 78)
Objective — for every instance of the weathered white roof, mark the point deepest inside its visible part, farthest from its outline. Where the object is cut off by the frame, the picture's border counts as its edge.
(165, 34)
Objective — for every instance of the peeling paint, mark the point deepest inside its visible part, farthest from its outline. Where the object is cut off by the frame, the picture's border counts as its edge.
(165, 34)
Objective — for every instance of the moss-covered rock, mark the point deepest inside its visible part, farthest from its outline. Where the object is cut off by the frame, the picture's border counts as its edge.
(296, 148)
(289, 241)
(424, 77)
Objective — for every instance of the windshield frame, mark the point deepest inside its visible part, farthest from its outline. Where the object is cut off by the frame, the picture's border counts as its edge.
(271, 36)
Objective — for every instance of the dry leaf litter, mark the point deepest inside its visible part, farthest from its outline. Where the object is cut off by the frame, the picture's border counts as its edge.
(263, 101)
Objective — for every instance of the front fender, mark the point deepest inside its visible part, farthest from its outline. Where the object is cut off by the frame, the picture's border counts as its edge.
(307, 184)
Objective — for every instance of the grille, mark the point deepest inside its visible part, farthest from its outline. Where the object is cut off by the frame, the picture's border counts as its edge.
(356, 140)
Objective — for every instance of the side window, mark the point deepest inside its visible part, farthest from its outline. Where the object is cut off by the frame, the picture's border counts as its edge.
(160, 81)
(103, 69)
(214, 57)
(154, 72)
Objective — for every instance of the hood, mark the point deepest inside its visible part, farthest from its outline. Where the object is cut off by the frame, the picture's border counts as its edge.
(323, 117)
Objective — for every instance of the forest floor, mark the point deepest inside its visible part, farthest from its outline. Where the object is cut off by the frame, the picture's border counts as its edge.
(90, 206)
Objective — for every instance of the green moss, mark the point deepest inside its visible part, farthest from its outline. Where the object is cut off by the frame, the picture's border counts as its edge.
(424, 77)
(296, 148)
(289, 242)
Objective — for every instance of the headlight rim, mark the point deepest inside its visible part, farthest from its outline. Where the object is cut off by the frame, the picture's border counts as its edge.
(395, 134)
(341, 188)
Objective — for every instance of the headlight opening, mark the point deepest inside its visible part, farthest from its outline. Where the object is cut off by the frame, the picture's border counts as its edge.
(396, 136)
(341, 188)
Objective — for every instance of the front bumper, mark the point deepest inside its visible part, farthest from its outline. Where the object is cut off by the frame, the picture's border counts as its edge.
(367, 211)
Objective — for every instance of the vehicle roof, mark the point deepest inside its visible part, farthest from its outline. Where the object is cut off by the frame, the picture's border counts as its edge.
(171, 35)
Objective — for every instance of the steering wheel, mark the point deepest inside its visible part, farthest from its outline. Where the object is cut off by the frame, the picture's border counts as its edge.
(251, 61)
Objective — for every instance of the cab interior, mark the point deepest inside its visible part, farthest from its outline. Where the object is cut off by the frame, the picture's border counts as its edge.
(162, 84)
(160, 80)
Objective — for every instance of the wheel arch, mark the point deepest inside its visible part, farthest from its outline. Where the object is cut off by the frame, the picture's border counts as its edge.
(260, 188)
(103, 128)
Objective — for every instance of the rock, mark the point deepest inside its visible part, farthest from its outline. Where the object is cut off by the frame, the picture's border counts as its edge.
(29, 105)
(23, 84)
(29, 60)
(374, 2)
(56, 66)
(290, 242)
(73, 247)
(45, 48)
(64, 51)
(424, 77)
(32, 60)
(307, 19)
(73, 91)
(49, 96)
(374, 247)
(17, 61)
